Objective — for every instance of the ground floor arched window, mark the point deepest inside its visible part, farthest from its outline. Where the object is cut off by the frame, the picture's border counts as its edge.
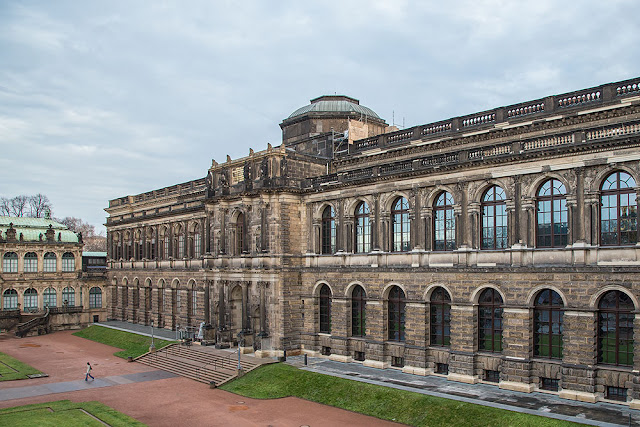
(396, 314)
(50, 297)
(30, 300)
(95, 297)
(10, 299)
(69, 296)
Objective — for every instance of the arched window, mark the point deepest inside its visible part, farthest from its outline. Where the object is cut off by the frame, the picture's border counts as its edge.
(615, 329)
(240, 234)
(197, 242)
(165, 244)
(50, 262)
(68, 262)
(69, 296)
(440, 317)
(10, 299)
(328, 231)
(490, 321)
(362, 228)
(618, 210)
(30, 300)
(444, 223)
(49, 297)
(194, 299)
(95, 297)
(494, 219)
(358, 318)
(138, 245)
(161, 297)
(180, 243)
(396, 314)
(30, 262)
(325, 309)
(10, 262)
(548, 313)
(552, 215)
(400, 226)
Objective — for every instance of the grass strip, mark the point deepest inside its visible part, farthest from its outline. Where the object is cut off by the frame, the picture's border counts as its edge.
(280, 380)
(64, 413)
(133, 345)
(13, 369)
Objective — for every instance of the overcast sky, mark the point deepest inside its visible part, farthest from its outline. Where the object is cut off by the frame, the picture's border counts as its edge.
(102, 99)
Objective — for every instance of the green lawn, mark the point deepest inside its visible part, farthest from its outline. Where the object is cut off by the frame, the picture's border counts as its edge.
(133, 345)
(280, 380)
(13, 369)
(64, 413)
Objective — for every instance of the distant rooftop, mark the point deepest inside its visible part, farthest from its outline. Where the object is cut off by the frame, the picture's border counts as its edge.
(32, 228)
(334, 104)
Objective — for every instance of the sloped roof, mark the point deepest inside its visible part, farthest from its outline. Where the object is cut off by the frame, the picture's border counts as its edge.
(32, 228)
(334, 104)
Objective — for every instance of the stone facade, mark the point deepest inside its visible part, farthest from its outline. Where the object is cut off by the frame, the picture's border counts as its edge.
(42, 267)
(515, 203)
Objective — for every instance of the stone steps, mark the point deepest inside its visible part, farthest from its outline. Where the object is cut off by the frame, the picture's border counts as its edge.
(204, 366)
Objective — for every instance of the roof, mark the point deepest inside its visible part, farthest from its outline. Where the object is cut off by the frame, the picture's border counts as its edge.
(334, 104)
(94, 254)
(32, 228)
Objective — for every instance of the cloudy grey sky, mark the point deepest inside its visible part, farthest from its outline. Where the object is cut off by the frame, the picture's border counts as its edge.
(102, 99)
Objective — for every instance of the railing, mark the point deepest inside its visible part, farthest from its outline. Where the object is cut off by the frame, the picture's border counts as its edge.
(23, 328)
(611, 131)
(547, 106)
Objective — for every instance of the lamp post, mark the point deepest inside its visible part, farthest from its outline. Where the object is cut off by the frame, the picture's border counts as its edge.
(152, 347)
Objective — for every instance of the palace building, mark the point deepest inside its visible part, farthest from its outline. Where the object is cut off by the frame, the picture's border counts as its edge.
(499, 247)
(42, 282)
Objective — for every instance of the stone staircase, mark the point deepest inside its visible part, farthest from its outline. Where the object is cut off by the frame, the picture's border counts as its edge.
(39, 322)
(206, 365)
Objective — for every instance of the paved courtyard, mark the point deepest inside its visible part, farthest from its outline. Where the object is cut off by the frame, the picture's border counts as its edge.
(153, 397)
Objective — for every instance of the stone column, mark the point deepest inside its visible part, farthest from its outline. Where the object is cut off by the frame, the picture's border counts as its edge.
(426, 215)
(263, 309)
(317, 236)
(528, 224)
(474, 226)
(376, 242)
(463, 335)
(579, 356)
(245, 306)
(222, 325)
(516, 366)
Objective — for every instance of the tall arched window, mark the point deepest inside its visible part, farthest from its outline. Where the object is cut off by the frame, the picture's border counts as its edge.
(68, 262)
(50, 262)
(30, 262)
(400, 226)
(548, 314)
(10, 262)
(10, 299)
(165, 244)
(615, 329)
(490, 321)
(180, 242)
(396, 314)
(197, 241)
(95, 297)
(440, 317)
(30, 300)
(618, 210)
(69, 296)
(494, 219)
(49, 297)
(552, 215)
(240, 234)
(362, 228)
(328, 230)
(358, 318)
(325, 309)
(444, 223)
(138, 245)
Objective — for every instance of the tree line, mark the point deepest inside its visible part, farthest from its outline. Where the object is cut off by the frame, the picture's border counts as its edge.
(39, 206)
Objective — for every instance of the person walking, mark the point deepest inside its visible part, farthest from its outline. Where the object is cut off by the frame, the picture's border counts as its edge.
(86, 377)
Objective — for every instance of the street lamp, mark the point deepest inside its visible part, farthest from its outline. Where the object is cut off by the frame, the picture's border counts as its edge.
(152, 347)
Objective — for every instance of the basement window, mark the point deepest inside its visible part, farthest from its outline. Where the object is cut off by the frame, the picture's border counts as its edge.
(617, 393)
(359, 356)
(549, 384)
(442, 368)
(397, 362)
(326, 351)
(492, 376)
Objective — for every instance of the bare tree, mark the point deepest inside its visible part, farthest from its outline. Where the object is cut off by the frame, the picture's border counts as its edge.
(92, 241)
(5, 206)
(19, 205)
(39, 205)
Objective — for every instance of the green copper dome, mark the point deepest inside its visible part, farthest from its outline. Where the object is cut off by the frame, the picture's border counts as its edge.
(334, 104)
